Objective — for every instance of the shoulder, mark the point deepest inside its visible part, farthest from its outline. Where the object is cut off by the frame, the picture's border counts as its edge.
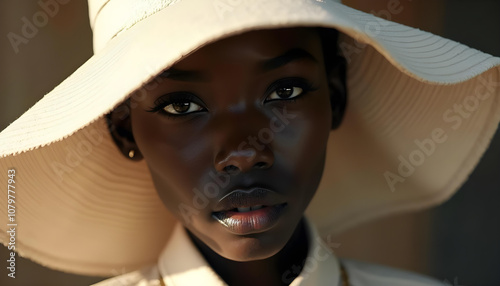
(368, 274)
(146, 276)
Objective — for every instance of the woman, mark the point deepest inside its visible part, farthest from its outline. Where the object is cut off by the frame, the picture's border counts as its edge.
(226, 122)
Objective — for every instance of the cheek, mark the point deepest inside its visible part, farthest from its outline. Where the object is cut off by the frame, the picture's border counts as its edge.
(175, 160)
(303, 147)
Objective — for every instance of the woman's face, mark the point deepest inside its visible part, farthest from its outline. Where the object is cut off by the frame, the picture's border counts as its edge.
(235, 138)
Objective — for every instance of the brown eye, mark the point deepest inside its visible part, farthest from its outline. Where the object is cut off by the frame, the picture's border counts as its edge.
(182, 108)
(177, 104)
(286, 92)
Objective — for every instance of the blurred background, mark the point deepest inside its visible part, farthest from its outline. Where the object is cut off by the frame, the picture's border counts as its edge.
(457, 242)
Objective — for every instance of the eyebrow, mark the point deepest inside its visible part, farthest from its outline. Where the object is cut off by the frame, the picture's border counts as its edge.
(180, 75)
(274, 63)
(287, 57)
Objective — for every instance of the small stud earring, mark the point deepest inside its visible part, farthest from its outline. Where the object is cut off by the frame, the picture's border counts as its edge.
(131, 153)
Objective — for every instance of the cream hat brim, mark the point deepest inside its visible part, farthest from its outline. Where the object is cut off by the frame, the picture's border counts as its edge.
(82, 207)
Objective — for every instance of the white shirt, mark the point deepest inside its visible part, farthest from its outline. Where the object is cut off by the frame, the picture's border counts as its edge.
(181, 264)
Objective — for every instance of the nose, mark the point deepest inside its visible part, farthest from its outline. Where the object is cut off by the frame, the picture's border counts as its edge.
(245, 160)
(241, 145)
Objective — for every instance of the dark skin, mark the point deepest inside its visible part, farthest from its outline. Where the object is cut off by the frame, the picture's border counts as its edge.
(231, 90)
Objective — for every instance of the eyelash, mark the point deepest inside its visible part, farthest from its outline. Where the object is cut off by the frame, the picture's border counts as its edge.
(172, 98)
(305, 85)
(183, 97)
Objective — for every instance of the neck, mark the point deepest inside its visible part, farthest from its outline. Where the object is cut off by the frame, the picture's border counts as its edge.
(279, 269)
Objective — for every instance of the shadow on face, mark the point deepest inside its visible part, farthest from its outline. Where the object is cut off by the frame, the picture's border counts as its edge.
(251, 110)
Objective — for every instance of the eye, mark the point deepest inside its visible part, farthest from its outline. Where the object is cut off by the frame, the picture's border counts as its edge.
(288, 89)
(180, 108)
(286, 92)
(177, 104)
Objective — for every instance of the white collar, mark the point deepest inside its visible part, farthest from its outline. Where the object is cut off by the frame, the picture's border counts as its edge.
(180, 263)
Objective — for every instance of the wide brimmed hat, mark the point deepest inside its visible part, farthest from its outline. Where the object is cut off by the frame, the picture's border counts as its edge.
(422, 110)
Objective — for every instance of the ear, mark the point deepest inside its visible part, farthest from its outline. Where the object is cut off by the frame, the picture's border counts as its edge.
(120, 128)
(336, 74)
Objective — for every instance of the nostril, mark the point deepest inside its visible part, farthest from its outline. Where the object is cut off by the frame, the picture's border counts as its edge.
(230, 169)
(261, 165)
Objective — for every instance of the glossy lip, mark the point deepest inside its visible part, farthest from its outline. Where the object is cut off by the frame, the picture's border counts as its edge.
(255, 221)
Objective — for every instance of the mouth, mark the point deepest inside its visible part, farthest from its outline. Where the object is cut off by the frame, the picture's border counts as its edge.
(249, 211)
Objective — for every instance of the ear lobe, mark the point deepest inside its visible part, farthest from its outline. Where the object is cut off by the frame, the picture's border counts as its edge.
(338, 90)
(120, 128)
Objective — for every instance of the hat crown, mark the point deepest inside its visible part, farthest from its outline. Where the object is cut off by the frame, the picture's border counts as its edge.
(110, 17)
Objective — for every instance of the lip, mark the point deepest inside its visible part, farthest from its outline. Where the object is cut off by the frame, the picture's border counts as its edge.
(253, 221)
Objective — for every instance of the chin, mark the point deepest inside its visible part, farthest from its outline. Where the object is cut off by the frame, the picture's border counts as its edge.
(251, 249)
(257, 246)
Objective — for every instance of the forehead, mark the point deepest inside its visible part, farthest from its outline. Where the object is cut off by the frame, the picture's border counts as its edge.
(254, 45)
